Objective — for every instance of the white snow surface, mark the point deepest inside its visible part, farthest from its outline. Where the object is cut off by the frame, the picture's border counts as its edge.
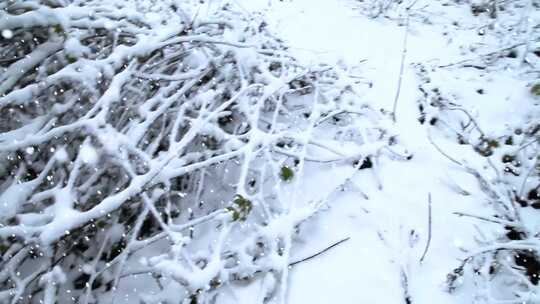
(383, 216)
(388, 226)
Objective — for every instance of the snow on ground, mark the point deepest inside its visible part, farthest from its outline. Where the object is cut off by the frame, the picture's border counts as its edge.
(396, 223)
(388, 223)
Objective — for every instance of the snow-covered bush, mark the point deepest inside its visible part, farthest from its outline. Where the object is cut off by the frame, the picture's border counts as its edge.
(462, 100)
(376, 8)
(153, 141)
(506, 266)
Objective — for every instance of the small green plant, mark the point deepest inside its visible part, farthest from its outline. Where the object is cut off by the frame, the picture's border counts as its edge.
(240, 208)
(3, 249)
(286, 173)
(535, 89)
(71, 58)
(486, 146)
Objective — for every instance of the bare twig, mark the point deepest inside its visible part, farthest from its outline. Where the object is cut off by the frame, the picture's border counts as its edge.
(403, 58)
(318, 253)
(402, 66)
(429, 230)
(405, 285)
(443, 153)
(483, 55)
(487, 219)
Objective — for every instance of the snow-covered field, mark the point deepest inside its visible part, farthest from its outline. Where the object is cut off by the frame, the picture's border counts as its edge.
(444, 123)
(385, 213)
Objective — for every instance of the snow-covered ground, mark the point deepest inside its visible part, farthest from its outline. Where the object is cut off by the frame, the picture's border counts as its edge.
(385, 216)
(423, 140)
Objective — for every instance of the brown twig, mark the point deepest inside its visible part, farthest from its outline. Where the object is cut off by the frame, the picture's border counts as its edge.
(318, 253)
(429, 229)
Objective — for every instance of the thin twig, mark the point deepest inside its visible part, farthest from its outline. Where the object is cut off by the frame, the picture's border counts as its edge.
(403, 57)
(528, 144)
(405, 284)
(529, 173)
(429, 229)
(318, 253)
(471, 118)
(488, 219)
(483, 55)
(443, 153)
(402, 66)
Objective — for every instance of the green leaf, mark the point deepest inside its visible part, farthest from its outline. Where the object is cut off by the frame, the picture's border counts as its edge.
(240, 209)
(235, 214)
(71, 59)
(286, 173)
(241, 201)
(3, 248)
(535, 89)
(58, 29)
